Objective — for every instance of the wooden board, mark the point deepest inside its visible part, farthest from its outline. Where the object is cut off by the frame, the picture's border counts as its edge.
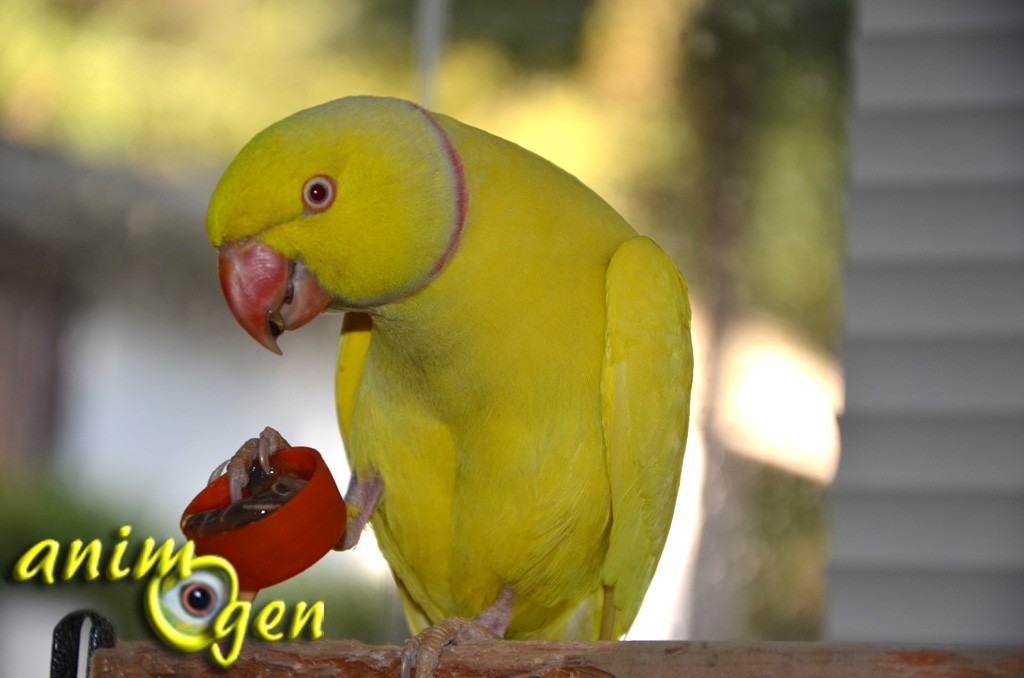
(622, 659)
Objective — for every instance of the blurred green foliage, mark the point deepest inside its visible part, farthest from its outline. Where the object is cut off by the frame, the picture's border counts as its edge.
(787, 540)
(181, 85)
(534, 34)
(765, 96)
(34, 507)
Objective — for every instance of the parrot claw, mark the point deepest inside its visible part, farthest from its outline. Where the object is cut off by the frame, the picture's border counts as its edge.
(252, 451)
(422, 653)
(218, 471)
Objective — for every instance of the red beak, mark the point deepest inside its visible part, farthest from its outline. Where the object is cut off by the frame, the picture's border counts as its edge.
(266, 292)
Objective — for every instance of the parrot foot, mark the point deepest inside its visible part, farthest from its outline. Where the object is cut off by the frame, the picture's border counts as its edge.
(361, 498)
(423, 651)
(252, 451)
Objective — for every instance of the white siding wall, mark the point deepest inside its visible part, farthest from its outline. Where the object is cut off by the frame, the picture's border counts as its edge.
(927, 510)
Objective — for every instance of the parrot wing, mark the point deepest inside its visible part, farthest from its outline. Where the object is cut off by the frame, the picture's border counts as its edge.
(352, 349)
(645, 404)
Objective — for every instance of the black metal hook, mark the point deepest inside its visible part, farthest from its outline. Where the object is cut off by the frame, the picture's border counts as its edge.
(67, 636)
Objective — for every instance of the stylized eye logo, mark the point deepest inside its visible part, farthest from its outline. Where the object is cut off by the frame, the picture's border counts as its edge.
(183, 610)
(198, 598)
(318, 193)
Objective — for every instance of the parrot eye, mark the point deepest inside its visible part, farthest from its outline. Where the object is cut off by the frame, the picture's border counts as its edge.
(318, 193)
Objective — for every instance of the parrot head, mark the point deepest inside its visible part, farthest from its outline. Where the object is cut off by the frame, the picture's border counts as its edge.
(349, 205)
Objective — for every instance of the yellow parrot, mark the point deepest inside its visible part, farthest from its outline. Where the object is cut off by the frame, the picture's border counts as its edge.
(514, 371)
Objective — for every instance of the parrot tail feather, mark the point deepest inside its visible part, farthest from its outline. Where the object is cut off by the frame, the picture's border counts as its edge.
(608, 615)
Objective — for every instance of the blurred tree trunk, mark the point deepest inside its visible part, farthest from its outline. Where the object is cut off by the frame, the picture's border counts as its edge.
(757, 74)
(719, 92)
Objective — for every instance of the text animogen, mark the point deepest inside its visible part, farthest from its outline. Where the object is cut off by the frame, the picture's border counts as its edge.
(191, 601)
